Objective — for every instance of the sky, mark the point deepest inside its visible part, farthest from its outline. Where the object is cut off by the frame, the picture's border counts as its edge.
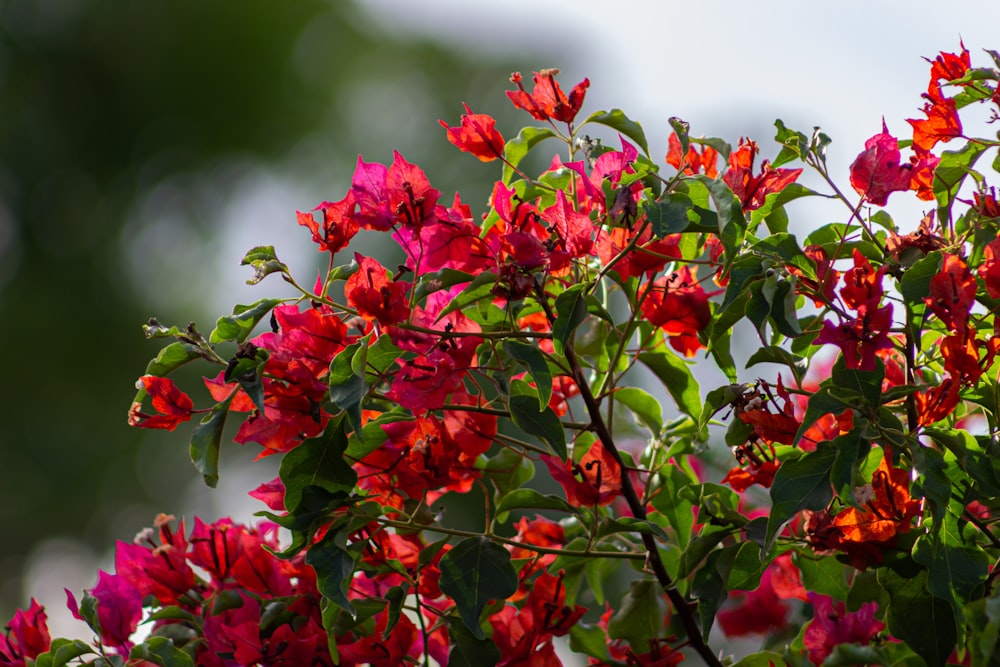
(728, 68)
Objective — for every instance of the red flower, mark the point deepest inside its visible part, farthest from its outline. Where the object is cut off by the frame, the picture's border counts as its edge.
(119, 609)
(755, 612)
(595, 480)
(547, 101)
(375, 295)
(338, 227)
(678, 305)
(938, 402)
(383, 651)
(942, 122)
(952, 292)
(832, 625)
(172, 405)
(950, 66)
(692, 163)
(886, 510)
(749, 189)
(989, 271)
(157, 569)
(27, 636)
(524, 636)
(477, 135)
(922, 174)
(876, 172)
(862, 284)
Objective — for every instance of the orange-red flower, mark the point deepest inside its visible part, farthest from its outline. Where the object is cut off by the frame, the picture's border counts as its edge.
(477, 135)
(749, 189)
(547, 101)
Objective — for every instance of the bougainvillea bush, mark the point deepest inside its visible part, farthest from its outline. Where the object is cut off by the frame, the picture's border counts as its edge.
(497, 445)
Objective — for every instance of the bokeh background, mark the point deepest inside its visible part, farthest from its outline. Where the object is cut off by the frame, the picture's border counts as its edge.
(144, 147)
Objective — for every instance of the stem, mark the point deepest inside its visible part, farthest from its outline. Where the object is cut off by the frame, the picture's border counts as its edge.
(685, 609)
(409, 525)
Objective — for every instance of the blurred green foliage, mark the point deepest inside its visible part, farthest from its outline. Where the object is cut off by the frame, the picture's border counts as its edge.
(101, 101)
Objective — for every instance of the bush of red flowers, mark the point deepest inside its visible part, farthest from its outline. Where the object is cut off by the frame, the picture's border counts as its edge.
(509, 361)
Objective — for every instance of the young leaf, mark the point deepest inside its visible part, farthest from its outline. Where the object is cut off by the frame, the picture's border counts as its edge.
(264, 263)
(519, 146)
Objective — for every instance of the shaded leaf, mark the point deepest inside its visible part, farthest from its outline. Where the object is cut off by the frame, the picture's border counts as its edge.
(473, 573)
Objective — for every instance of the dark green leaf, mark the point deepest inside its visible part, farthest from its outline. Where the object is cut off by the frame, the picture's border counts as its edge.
(925, 622)
(318, 462)
(677, 379)
(638, 617)
(532, 358)
(800, 484)
(161, 651)
(772, 354)
(206, 440)
(617, 120)
(247, 368)
(474, 572)
(347, 388)
(524, 411)
(467, 650)
(823, 575)
(670, 215)
(532, 499)
(571, 311)
(334, 568)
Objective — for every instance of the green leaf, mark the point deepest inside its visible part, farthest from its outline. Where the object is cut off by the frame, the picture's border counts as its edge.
(677, 379)
(732, 222)
(670, 215)
(480, 288)
(474, 572)
(571, 311)
(954, 571)
(532, 358)
(984, 621)
(516, 148)
(803, 483)
(240, 324)
(794, 145)
(61, 651)
(823, 575)
(348, 388)
(775, 202)
(206, 440)
(950, 173)
(532, 499)
(264, 263)
(161, 651)
(467, 650)
(171, 358)
(334, 568)
(925, 622)
(639, 615)
(762, 659)
(617, 120)
(525, 413)
(645, 408)
(318, 462)
(772, 354)
(247, 369)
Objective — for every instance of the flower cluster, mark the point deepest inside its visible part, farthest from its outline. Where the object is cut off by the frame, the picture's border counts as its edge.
(480, 433)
